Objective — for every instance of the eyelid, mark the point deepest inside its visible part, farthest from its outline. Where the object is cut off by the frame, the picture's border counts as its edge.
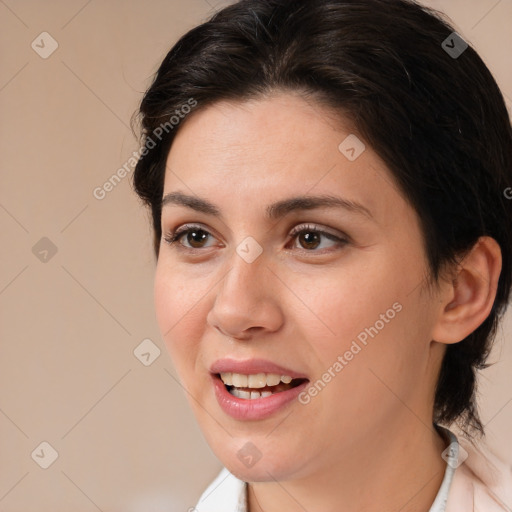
(319, 229)
(174, 235)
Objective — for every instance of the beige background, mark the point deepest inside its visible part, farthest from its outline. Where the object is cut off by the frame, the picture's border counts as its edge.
(124, 434)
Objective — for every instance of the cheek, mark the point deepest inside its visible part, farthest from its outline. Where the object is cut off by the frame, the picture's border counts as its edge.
(167, 307)
(178, 295)
(178, 310)
(371, 319)
(350, 305)
(383, 349)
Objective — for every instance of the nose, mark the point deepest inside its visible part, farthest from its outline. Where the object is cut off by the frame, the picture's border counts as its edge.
(247, 300)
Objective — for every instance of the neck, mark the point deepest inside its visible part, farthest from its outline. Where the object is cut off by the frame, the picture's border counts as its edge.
(397, 470)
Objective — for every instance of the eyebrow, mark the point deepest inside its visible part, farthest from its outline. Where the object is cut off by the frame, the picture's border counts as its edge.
(274, 210)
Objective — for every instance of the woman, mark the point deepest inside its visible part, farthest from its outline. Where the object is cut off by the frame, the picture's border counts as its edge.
(326, 181)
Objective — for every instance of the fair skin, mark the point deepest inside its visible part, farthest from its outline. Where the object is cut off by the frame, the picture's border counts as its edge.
(366, 441)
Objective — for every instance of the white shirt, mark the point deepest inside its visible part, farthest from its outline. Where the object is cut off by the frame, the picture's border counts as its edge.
(474, 481)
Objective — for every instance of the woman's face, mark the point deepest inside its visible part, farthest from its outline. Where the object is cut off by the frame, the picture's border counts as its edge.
(264, 284)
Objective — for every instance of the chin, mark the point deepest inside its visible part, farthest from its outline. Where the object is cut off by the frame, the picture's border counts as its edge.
(250, 465)
(260, 472)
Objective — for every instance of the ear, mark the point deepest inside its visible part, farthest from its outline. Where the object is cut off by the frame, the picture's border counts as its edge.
(467, 298)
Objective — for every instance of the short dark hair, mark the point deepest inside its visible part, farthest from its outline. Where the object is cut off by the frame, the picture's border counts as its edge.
(437, 119)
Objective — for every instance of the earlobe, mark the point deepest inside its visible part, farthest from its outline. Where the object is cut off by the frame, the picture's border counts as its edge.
(468, 299)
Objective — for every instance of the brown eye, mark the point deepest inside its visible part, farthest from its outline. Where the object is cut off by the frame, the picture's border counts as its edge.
(195, 237)
(310, 238)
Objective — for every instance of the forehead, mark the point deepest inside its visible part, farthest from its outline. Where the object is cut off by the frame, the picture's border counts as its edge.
(283, 127)
(262, 150)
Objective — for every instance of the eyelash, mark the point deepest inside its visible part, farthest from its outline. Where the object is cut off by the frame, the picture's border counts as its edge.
(174, 236)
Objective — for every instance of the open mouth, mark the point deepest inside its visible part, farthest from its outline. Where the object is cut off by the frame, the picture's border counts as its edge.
(260, 385)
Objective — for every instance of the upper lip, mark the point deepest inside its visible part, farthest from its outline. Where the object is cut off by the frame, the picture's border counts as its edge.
(253, 366)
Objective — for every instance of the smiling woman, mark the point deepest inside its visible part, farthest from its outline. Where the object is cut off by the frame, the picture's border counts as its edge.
(328, 175)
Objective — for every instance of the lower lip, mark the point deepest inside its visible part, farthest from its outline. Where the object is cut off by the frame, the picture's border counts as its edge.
(257, 409)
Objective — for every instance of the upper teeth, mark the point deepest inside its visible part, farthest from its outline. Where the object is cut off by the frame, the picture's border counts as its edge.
(258, 380)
